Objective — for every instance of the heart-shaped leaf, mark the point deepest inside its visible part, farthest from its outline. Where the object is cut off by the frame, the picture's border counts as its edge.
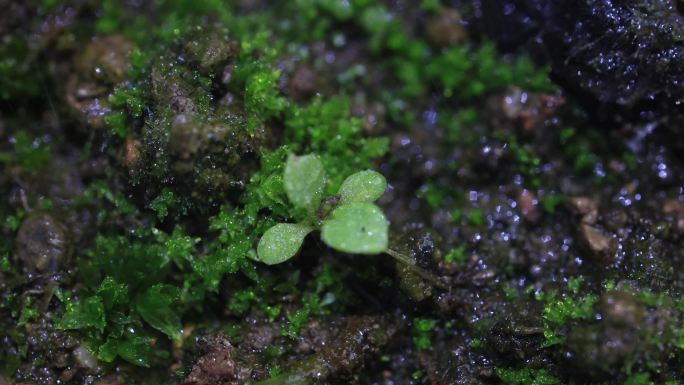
(356, 228)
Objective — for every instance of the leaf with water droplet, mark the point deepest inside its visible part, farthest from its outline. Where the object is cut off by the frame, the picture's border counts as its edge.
(356, 228)
(281, 242)
(363, 186)
(304, 180)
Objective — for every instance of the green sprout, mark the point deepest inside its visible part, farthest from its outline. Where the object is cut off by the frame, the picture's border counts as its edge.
(354, 225)
(348, 221)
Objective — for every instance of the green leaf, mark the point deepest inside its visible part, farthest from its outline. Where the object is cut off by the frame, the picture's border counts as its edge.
(112, 293)
(134, 349)
(304, 179)
(83, 314)
(165, 201)
(357, 228)
(363, 186)
(281, 242)
(261, 93)
(108, 351)
(155, 308)
(33, 155)
(178, 247)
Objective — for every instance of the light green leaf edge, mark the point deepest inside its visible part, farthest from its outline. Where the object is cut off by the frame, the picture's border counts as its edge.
(304, 180)
(363, 186)
(356, 228)
(155, 306)
(281, 242)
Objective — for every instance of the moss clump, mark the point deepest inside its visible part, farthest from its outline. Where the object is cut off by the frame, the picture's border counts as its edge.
(31, 155)
(525, 376)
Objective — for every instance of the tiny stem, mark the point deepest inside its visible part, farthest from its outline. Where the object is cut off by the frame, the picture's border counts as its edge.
(426, 275)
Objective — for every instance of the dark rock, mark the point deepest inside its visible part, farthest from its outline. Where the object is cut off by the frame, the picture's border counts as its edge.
(622, 308)
(599, 348)
(42, 244)
(258, 337)
(446, 28)
(627, 53)
(624, 52)
(196, 142)
(359, 338)
(215, 366)
(302, 86)
(210, 51)
(101, 65)
(111, 379)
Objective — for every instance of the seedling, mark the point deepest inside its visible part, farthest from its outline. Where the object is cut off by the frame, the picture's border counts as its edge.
(348, 222)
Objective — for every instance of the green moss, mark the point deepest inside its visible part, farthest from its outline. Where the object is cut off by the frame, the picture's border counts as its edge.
(581, 149)
(266, 190)
(12, 221)
(639, 379)
(430, 5)
(164, 202)
(456, 255)
(5, 264)
(111, 18)
(456, 123)
(158, 307)
(325, 127)
(28, 312)
(229, 252)
(526, 160)
(135, 349)
(87, 313)
(476, 217)
(525, 376)
(130, 97)
(20, 75)
(262, 97)
(31, 154)
(575, 284)
(550, 202)
(433, 194)
(558, 312)
(324, 294)
(132, 295)
(422, 332)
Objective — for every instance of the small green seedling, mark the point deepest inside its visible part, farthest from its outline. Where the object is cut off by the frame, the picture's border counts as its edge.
(354, 225)
(349, 221)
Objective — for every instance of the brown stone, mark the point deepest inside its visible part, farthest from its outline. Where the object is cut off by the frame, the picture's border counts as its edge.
(584, 206)
(215, 366)
(600, 245)
(446, 28)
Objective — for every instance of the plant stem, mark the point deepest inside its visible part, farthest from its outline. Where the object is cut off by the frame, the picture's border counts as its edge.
(426, 275)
